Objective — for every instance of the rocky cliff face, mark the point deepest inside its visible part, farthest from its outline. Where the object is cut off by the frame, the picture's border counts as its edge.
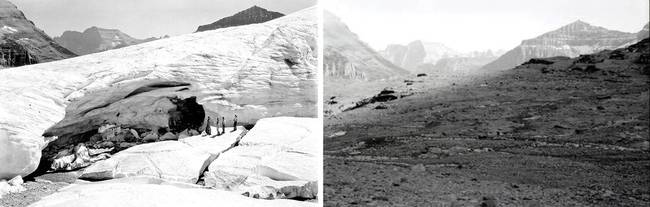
(571, 40)
(419, 56)
(96, 39)
(251, 15)
(457, 65)
(252, 71)
(14, 54)
(417, 53)
(21, 43)
(347, 57)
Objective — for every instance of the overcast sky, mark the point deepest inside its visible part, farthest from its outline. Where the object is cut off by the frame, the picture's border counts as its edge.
(468, 25)
(141, 18)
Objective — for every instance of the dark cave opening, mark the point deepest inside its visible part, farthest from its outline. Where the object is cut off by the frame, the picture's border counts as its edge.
(188, 114)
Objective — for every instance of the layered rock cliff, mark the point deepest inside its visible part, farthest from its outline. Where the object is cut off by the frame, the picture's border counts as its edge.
(347, 57)
(571, 40)
(22, 43)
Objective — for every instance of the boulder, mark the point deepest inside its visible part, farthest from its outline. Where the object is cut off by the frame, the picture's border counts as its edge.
(168, 136)
(281, 153)
(184, 134)
(151, 192)
(168, 160)
(77, 157)
(12, 186)
(309, 190)
(150, 136)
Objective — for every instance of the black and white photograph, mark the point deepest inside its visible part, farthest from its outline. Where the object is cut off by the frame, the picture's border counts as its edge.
(486, 103)
(159, 103)
(334, 103)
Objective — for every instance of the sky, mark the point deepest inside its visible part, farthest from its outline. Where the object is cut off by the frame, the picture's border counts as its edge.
(469, 25)
(141, 18)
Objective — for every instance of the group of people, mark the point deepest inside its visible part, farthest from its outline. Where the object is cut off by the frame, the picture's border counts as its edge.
(208, 128)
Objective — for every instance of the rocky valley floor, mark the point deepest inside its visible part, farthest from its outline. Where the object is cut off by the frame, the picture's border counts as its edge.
(567, 132)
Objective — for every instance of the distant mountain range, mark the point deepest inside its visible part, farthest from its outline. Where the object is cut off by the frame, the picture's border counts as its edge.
(571, 40)
(95, 39)
(347, 57)
(420, 56)
(251, 15)
(22, 43)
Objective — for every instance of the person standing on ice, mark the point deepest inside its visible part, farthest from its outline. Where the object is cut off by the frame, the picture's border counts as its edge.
(208, 129)
(217, 126)
(223, 125)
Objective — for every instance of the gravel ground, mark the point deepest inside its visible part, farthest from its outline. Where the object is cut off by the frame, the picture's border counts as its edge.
(38, 187)
(526, 137)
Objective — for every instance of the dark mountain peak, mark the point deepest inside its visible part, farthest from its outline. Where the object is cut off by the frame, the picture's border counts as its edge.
(255, 8)
(97, 39)
(252, 15)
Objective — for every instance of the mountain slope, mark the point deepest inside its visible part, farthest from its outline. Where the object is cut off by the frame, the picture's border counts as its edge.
(252, 71)
(416, 53)
(552, 132)
(251, 15)
(643, 33)
(432, 57)
(570, 40)
(347, 57)
(96, 39)
(21, 43)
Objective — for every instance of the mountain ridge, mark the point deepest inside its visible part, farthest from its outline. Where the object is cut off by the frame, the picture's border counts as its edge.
(96, 39)
(570, 40)
(422, 56)
(252, 15)
(347, 57)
